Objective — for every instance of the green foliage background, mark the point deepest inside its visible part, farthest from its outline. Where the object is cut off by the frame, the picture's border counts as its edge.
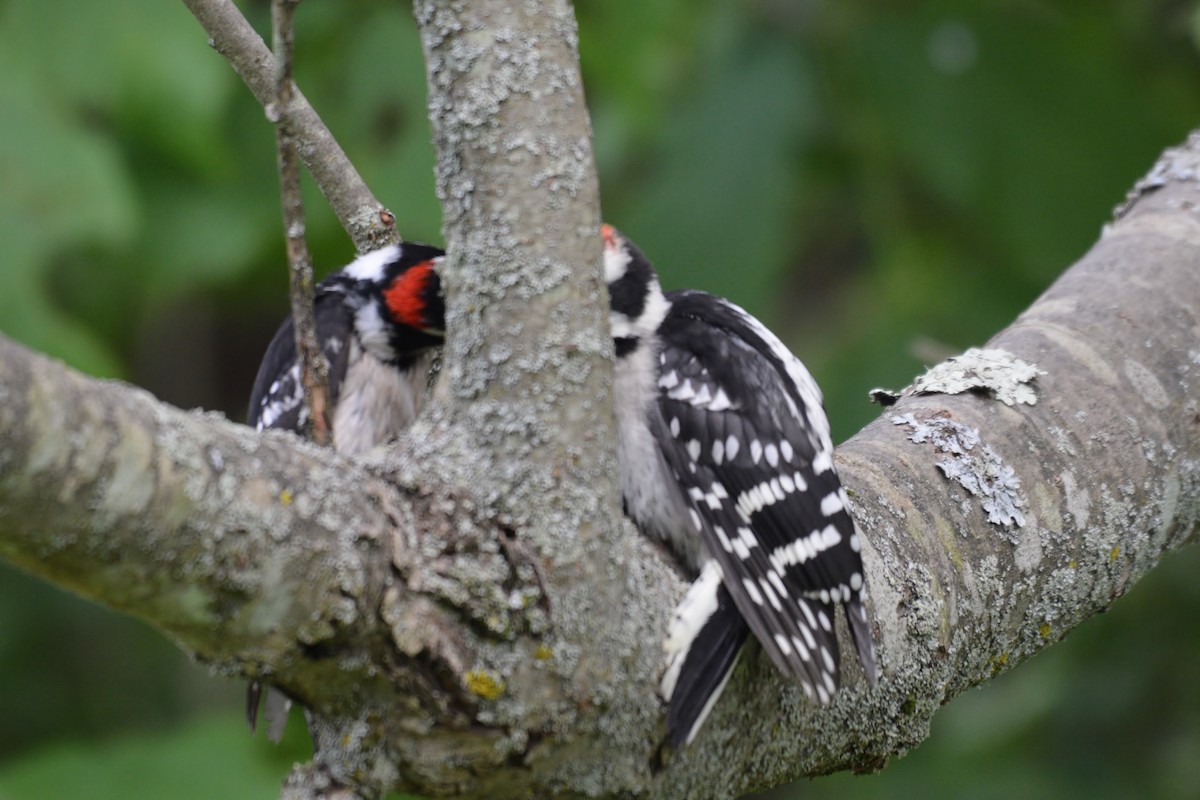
(884, 183)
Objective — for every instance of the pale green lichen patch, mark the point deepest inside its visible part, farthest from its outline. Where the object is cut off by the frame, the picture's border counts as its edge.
(1078, 501)
(973, 465)
(50, 450)
(996, 372)
(131, 487)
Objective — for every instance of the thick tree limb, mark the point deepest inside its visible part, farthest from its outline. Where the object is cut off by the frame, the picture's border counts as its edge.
(415, 623)
(1107, 469)
(215, 534)
(369, 223)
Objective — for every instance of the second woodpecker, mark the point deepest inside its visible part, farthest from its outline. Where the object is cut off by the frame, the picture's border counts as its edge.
(726, 457)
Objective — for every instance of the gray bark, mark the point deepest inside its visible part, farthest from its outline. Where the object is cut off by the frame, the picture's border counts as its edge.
(466, 613)
(314, 367)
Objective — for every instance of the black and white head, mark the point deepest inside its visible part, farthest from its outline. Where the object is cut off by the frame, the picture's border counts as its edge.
(386, 305)
(637, 304)
(396, 296)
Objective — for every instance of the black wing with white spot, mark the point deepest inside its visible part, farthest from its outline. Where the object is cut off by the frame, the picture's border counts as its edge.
(277, 399)
(749, 443)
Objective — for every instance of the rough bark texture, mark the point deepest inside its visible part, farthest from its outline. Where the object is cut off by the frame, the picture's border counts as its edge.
(246, 549)
(467, 615)
(1108, 463)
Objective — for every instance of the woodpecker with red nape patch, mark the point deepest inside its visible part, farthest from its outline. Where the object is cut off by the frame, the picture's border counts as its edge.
(378, 320)
(726, 457)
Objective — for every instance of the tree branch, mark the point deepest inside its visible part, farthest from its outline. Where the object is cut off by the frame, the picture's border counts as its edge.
(369, 223)
(234, 543)
(314, 368)
(1105, 466)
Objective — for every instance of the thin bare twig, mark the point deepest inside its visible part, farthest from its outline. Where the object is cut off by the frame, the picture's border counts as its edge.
(314, 368)
(369, 223)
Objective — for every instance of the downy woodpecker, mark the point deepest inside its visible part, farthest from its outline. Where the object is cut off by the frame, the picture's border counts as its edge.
(377, 320)
(726, 457)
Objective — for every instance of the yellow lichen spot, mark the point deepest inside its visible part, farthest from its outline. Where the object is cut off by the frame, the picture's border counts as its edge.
(1116, 551)
(1044, 630)
(1073, 564)
(998, 663)
(286, 497)
(543, 653)
(483, 684)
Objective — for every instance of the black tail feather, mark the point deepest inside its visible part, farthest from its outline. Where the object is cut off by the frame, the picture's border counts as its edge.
(707, 662)
(860, 628)
(253, 692)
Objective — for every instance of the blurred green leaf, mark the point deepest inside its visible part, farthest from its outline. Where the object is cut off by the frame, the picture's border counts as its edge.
(140, 64)
(214, 757)
(203, 238)
(716, 210)
(60, 179)
(638, 55)
(60, 185)
(1005, 113)
(385, 104)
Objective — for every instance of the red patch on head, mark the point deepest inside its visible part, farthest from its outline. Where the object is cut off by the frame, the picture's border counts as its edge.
(405, 298)
(610, 235)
